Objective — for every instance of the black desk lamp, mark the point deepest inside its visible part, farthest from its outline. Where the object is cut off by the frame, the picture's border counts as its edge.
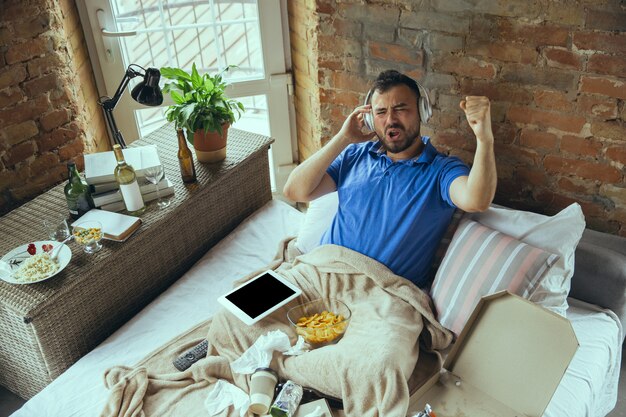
(146, 92)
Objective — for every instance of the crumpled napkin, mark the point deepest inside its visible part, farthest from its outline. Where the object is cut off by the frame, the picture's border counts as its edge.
(223, 395)
(259, 355)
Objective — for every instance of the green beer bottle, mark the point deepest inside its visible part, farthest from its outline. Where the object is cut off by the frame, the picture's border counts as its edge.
(77, 193)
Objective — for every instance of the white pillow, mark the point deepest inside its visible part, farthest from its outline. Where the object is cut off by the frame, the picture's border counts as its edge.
(558, 234)
(318, 218)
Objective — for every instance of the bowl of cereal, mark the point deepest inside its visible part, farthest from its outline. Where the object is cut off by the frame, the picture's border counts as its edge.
(320, 322)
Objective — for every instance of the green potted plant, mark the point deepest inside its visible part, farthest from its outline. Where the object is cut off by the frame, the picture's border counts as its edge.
(202, 108)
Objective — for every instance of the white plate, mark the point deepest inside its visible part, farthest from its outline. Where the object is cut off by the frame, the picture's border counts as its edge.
(15, 258)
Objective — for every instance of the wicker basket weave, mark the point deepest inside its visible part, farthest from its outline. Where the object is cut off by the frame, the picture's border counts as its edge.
(46, 327)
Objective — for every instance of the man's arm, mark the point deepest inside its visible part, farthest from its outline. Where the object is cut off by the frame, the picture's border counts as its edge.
(309, 180)
(476, 191)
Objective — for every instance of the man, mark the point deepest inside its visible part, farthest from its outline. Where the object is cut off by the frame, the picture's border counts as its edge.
(397, 195)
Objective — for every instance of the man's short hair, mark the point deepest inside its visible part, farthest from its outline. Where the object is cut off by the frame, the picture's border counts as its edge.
(391, 78)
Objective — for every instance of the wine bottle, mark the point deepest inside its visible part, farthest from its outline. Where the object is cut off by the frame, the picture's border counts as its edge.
(127, 179)
(77, 193)
(185, 159)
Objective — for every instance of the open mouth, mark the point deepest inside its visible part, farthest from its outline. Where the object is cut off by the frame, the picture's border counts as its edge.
(393, 134)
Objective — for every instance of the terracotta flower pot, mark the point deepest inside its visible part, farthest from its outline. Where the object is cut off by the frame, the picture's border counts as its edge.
(210, 146)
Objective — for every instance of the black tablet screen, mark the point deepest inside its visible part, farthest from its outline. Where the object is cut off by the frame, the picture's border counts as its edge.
(260, 295)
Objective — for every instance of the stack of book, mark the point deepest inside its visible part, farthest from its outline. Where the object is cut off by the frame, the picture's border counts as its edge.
(99, 168)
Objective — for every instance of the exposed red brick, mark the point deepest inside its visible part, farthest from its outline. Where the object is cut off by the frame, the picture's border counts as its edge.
(348, 28)
(465, 66)
(558, 202)
(7, 178)
(532, 176)
(20, 132)
(347, 81)
(12, 76)
(529, 34)
(517, 155)
(344, 98)
(19, 152)
(566, 123)
(597, 106)
(455, 140)
(28, 50)
(10, 97)
(576, 185)
(41, 85)
(27, 110)
(496, 91)
(508, 52)
(71, 150)
(33, 27)
(396, 53)
(45, 64)
(55, 119)
(609, 130)
(44, 163)
(56, 139)
(553, 100)
(604, 86)
(504, 133)
(535, 139)
(597, 41)
(607, 64)
(580, 168)
(581, 146)
(617, 153)
(531, 75)
(562, 58)
(605, 20)
(324, 7)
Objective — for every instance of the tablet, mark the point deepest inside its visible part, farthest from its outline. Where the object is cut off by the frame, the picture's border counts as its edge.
(260, 296)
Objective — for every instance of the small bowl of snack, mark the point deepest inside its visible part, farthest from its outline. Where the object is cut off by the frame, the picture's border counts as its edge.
(88, 234)
(320, 322)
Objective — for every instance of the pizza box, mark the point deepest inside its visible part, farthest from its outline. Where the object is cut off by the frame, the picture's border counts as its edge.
(507, 362)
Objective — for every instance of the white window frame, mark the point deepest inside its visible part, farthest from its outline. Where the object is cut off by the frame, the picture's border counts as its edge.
(105, 53)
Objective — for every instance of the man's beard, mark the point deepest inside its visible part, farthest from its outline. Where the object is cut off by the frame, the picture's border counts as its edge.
(396, 147)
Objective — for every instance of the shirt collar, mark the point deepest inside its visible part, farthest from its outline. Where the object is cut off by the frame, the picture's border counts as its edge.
(426, 157)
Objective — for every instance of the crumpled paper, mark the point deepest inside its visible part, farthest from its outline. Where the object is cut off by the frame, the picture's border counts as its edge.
(223, 395)
(259, 355)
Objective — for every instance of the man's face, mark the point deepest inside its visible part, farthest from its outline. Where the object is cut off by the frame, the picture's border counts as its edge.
(396, 118)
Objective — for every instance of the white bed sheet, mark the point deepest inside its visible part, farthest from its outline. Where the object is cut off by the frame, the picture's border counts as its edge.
(80, 391)
(589, 388)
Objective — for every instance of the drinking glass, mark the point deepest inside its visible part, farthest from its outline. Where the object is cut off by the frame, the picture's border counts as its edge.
(57, 228)
(154, 175)
(88, 234)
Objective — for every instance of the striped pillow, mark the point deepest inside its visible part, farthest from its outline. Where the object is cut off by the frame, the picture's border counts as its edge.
(481, 261)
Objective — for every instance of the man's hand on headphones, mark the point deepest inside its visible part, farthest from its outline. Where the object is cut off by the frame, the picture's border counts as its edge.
(478, 114)
(354, 129)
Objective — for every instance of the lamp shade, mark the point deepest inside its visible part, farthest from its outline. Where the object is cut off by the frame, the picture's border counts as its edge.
(148, 92)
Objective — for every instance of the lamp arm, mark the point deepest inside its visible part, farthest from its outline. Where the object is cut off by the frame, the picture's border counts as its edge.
(108, 104)
(112, 102)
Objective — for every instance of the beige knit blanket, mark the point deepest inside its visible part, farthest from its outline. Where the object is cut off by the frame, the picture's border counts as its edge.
(369, 368)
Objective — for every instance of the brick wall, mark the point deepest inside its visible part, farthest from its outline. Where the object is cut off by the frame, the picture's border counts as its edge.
(554, 70)
(48, 114)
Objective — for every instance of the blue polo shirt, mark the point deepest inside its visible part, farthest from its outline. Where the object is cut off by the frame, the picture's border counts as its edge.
(394, 212)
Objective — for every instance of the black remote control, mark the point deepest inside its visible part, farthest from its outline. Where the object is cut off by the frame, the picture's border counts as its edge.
(192, 356)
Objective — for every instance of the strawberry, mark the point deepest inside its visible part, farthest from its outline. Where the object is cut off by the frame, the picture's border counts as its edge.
(32, 249)
(47, 248)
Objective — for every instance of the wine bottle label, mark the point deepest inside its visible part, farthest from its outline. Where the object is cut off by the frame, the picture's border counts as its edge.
(132, 196)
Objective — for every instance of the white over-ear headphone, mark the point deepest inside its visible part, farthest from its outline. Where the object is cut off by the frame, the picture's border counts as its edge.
(423, 105)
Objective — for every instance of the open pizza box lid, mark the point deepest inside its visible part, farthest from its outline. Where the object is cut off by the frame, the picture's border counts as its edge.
(507, 361)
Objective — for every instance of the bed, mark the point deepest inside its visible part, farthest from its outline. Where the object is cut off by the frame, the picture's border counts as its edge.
(589, 387)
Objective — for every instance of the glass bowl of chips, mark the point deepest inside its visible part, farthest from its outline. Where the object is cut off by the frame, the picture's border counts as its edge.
(320, 322)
